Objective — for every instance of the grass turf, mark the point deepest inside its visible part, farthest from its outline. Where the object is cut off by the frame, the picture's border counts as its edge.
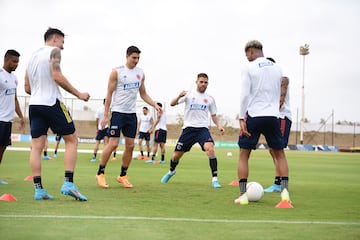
(324, 188)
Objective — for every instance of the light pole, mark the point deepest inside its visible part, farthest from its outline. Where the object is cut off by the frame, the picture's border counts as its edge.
(304, 50)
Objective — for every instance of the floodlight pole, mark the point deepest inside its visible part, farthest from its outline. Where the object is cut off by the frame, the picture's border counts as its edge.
(304, 50)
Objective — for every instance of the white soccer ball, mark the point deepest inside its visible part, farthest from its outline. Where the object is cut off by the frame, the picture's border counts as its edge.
(254, 191)
(229, 154)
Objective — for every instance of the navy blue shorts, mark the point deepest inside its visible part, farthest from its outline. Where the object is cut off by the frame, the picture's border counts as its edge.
(56, 117)
(190, 135)
(285, 128)
(5, 133)
(144, 135)
(123, 122)
(268, 126)
(101, 134)
(160, 136)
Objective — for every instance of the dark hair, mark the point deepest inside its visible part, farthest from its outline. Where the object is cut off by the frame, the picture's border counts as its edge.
(271, 59)
(253, 44)
(132, 49)
(52, 31)
(11, 53)
(204, 75)
(159, 104)
(145, 108)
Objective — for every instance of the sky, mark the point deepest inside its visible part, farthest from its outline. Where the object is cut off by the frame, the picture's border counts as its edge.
(181, 38)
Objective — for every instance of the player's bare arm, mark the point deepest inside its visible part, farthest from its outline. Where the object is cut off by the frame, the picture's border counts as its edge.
(284, 88)
(175, 101)
(217, 123)
(113, 79)
(60, 79)
(27, 84)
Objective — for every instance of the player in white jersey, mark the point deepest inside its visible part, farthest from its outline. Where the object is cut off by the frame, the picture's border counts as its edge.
(198, 106)
(260, 86)
(160, 135)
(144, 129)
(46, 110)
(9, 103)
(125, 82)
(285, 127)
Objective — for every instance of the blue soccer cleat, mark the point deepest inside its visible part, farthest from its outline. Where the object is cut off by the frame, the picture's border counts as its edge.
(93, 160)
(46, 158)
(42, 194)
(167, 176)
(273, 188)
(216, 184)
(68, 188)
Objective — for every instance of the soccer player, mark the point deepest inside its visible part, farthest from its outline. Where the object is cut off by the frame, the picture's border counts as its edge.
(159, 136)
(101, 133)
(260, 86)
(144, 128)
(8, 100)
(198, 106)
(46, 110)
(285, 127)
(125, 82)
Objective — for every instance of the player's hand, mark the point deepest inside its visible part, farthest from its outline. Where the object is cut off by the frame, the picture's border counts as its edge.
(243, 128)
(21, 124)
(105, 122)
(84, 96)
(222, 130)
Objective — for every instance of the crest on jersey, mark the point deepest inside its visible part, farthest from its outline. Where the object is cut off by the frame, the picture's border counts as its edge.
(205, 100)
(138, 76)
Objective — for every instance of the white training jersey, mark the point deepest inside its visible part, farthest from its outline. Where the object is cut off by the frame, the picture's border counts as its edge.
(44, 90)
(125, 94)
(100, 115)
(260, 86)
(8, 85)
(197, 109)
(146, 123)
(285, 110)
(162, 122)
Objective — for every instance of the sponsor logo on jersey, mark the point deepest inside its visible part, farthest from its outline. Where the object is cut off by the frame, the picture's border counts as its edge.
(10, 91)
(196, 106)
(131, 85)
(265, 64)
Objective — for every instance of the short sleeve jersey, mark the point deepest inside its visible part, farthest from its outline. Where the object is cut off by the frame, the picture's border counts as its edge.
(44, 90)
(125, 94)
(8, 85)
(197, 109)
(100, 115)
(146, 123)
(260, 85)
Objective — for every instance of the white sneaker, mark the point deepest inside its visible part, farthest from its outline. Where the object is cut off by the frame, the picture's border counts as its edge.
(242, 200)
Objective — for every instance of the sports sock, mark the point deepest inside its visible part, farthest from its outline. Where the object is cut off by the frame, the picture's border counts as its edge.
(162, 157)
(114, 154)
(123, 171)
(284, 183)
(148, 154)
(153, 157)
(213, 166)
(95, 155)
(242, 185)
(69, 176)
(45, 153)
(37, 182)
(173, 165)
(55, 152)
(101, 169)
(277, 180)
(142, 153)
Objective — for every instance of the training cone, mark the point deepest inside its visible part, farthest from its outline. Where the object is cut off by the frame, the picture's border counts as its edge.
(284, 204)
(7, 197)
(29, 178)
(234, 183)
(156, 162)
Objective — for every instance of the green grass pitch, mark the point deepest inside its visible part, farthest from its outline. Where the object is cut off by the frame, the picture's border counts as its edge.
(324, 189)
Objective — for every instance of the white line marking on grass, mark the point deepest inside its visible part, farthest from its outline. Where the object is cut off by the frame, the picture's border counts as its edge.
(180, 219)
